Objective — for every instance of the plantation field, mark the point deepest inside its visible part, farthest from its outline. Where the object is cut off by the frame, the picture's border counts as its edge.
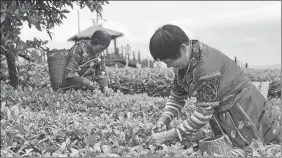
(157, 82)
(36, 121)
(154, 82)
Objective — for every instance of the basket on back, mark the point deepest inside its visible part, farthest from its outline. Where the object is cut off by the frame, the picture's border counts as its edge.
(56, 63)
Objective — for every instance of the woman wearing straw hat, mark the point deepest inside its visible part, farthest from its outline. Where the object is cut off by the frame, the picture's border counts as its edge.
(85, 59)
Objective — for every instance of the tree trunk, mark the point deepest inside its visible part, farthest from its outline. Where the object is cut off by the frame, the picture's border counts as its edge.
(11, 62)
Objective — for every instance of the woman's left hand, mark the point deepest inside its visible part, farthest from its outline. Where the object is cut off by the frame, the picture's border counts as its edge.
(162, 137)
(107, 91)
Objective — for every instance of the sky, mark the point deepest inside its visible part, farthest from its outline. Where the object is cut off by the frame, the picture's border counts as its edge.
(250, 30)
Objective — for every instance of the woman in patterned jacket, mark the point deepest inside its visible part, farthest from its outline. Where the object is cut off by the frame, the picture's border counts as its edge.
(85, 59)
(225, 96)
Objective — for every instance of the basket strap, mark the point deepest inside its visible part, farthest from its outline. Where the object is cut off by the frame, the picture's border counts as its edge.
(218, 124)
(89, 55)
(224, 135)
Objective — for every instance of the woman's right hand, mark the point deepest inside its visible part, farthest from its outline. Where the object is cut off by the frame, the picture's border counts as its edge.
(159, 127)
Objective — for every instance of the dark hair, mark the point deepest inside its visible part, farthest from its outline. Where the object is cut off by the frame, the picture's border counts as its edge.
(100, 37)
(166, 41)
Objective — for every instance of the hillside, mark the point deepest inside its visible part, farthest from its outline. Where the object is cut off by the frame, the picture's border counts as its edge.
(274, 66)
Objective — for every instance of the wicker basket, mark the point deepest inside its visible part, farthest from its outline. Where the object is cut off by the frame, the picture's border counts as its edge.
(220, 145)
(56, 63)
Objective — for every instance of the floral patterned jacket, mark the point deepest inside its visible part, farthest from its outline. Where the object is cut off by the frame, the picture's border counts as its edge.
(81, 53)
(211, 77)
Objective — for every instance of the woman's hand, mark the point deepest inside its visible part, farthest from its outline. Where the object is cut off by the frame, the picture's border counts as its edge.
(159, 127)
(107, 91)
(162, 137)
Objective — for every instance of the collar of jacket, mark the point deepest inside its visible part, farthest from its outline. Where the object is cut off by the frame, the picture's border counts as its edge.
(196, 49)
(195, 57)
(88, 50)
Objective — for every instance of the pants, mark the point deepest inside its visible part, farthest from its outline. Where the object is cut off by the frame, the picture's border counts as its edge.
(251, 117)
(77, 83)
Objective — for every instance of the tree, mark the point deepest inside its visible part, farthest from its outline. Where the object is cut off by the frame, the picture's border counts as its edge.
(43, 15)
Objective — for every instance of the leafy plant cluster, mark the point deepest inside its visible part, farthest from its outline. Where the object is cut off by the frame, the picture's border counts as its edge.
(154, 82)
(32, 74)
(272, 76)
(41, 122)
(157, 82)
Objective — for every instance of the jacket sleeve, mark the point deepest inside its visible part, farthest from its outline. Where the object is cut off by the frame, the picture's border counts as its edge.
(208, 77)
(175, 102)
(72, 66)
(207, 100)
(101, 76)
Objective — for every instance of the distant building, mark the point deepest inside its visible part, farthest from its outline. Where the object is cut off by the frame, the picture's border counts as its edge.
(87, 33)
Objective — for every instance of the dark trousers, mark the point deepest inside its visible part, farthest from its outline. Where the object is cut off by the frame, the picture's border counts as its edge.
(76, 83)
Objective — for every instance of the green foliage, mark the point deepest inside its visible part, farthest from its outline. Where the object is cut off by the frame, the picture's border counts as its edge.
(272, 76)
(40, 122)
(36, 121)
(157, 82)
(154, 82)
(30, 74)
(34, 75)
